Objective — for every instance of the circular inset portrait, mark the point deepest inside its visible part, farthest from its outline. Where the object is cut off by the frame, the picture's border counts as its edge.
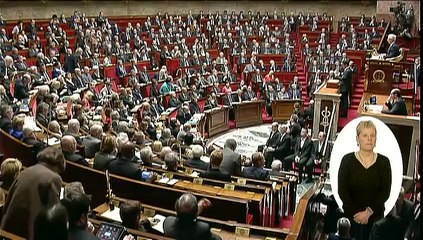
(366, 170)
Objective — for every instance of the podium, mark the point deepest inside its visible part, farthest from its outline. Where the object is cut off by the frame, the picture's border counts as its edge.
(248, 113)
(283, 109)
(216, 121)
(326, 110)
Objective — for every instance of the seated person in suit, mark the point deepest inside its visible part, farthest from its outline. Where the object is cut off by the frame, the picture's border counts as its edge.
(77, 207)
(395, 103)
(249, 94)
(124, 164)
(211, 102)
(184, 114)
(92, 142)
(193, 106)
(283, 146)
(171, 160)
(17, 127)
(42, 113)
(397, 222)
(30, 139)
(6, 118)
(301, 155)
(195, 161)
(173, 101)
(276, 168)
(393, 49)
(130, 214)
(271, 143)
(216, 158)
(73, 130)
(238, 97)
(318, 156)
(22, 87)
(68, 144)
(186, 128)
(106, 154)
(256, 171)
(186, 225)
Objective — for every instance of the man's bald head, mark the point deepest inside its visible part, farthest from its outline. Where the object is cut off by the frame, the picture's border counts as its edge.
(68, 144)
(186, 207)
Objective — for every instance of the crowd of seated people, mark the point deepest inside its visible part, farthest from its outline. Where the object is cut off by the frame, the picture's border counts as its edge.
(101, 120)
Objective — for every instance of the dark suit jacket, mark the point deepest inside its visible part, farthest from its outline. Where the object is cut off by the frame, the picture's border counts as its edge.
(194, 108)
(21, 91)
(216, 175)
(231, 162)
(273, 139)
(37, 146)
(5, 124)
(196, 163)
(102, 160)
(182, 230)
(393, 51)
(183, 97)
(283, 147)
(92, 146)
(346, 80)
(76, 158)
(396, 108)
(77, 137)
(174, 102)
(256, 173)
(124, 167)
(183, 117)
(388, 227)
(305, 151)
(42, 120)
(36, 188)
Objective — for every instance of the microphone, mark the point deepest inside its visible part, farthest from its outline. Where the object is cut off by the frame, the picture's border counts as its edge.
(110, 194)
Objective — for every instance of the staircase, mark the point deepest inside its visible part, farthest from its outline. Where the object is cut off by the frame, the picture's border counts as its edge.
(301, 71)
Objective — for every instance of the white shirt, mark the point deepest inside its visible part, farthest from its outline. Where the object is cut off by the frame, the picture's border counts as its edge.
(302, 142)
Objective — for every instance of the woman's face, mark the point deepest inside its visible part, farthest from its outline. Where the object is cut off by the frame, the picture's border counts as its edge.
(367, 139)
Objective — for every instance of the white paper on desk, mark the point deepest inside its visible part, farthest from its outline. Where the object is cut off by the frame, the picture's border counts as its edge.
(172, 182)
(164, 180)
(375, 108)
(112, 215)
(194, 174)
(30, 123)
(159, 225)
(52, 141)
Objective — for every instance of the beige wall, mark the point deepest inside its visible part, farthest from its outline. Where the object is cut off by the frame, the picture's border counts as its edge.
(26, 10)
(382, 10)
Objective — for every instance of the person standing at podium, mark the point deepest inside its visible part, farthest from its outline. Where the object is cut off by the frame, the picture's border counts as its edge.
(395, 103)
(228, 101)
(393, 50)
(345, 88)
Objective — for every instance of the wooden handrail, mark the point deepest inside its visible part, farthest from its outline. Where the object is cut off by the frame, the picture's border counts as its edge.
(301, 210)
(7, 235)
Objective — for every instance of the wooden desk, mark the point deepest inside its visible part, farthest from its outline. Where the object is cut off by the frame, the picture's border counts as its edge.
(217, 121)
(248, 113)
(406, 129)
(213, 190)
(94, 182)
(283, 109)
